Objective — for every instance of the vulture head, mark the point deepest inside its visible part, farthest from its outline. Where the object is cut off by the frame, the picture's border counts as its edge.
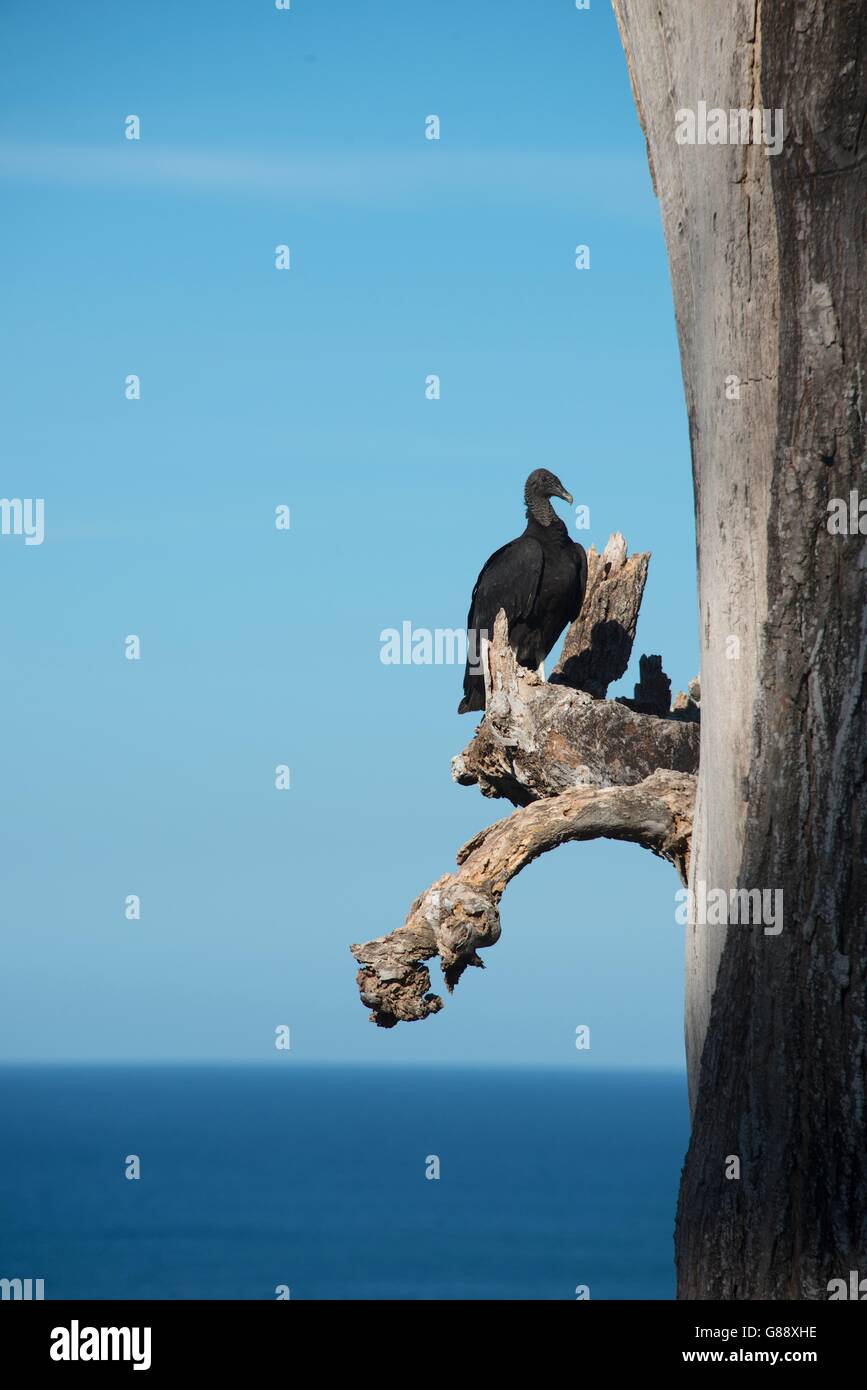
(538, 489)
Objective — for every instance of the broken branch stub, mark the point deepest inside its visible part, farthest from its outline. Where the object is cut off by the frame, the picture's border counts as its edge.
(598, 645)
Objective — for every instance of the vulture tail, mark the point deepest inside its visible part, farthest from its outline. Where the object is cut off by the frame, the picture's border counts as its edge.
(474, 694)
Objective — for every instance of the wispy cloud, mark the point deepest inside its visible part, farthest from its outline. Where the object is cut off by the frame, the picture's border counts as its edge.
(614, 183)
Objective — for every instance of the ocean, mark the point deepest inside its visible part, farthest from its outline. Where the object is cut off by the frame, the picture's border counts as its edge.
(313, 1180)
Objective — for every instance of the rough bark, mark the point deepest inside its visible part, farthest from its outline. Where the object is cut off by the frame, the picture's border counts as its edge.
(768, 267)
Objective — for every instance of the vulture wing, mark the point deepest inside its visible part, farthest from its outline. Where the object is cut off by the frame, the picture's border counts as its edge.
(582, 579)
(509, 580)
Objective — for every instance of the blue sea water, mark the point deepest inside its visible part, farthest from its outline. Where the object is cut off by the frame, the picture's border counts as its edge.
(314, 1177)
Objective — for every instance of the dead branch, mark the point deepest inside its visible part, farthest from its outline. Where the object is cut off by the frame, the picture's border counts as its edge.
(538, 739)
(459, 914)
(581, 767)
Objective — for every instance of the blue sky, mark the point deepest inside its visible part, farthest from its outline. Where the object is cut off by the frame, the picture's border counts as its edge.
(259, 387)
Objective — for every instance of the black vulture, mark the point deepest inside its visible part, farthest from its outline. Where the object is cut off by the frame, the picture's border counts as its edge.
(539, 579)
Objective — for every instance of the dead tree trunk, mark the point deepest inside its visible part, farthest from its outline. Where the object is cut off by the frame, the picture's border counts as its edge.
(767, 259)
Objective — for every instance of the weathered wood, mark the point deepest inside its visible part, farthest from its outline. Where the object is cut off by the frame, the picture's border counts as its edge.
(767, 260)
(582, 768)
(599, 643)
(539, 739)
(459, 914)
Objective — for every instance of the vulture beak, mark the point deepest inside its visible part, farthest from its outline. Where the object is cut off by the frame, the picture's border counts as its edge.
(566, 496)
